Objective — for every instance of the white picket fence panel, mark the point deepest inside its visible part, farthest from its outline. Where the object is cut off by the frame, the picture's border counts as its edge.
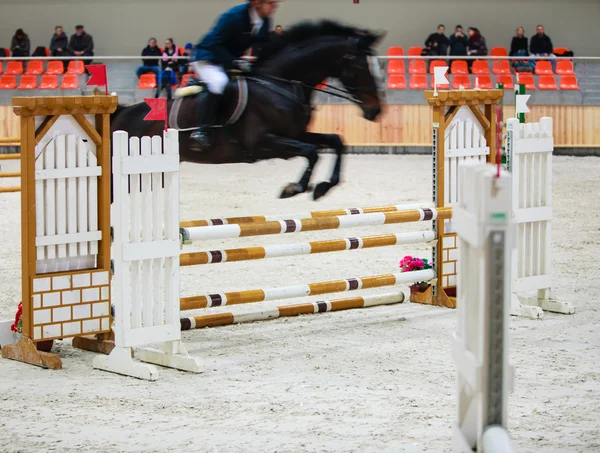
(529, 148)
(486, 232)
(146, 253)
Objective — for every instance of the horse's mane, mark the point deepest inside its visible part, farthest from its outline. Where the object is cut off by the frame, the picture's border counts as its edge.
(301, 33)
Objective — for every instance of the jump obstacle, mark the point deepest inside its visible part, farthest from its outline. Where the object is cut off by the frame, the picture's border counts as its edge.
(9, 174)
(461, 132)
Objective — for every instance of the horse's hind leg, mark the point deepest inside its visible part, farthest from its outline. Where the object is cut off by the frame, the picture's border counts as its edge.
(287, 148)
(328, 141)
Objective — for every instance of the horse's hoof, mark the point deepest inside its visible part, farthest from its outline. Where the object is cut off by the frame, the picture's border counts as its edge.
(291, 190)
(321, 189)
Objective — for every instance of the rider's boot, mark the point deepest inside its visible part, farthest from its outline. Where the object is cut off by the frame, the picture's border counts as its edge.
(203, 136)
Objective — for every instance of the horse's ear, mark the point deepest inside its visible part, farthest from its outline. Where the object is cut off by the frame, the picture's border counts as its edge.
(369, 39)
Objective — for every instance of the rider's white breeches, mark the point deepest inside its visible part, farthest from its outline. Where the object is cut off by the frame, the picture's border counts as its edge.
(214, 76)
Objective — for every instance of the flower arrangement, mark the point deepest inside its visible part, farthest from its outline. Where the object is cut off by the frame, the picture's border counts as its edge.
(412, 263)
(17, 326)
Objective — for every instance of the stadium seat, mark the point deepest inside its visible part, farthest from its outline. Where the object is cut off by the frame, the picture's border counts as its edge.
(1, 68)
(501, 67)
(543, 67)
(147, 82)
(69, 82)
(526, 79)
(459, 67)
(395, 51)
(397, 82)
(461, 80)
(564, 67)
(8, 82)
(559, 50)
(483, 82)
(55, 67)
(506, 80)
(49, 82)
(499, 52)
(480, 67)
(417, 67)
(547, 82)
(28, 82)
(186, 78)
(35, 67)
(436, 64)
(418, 82)
(14, 68)
(568, 82)
(396, 67)
(76, 67)
(415, 51)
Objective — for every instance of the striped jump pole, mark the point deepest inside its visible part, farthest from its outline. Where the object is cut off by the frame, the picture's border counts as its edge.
(193, 234)
(226, 319)
(10, 141)
(302, 215)
(10, 189)
(312, 289)
(10, 157)
(303, 248)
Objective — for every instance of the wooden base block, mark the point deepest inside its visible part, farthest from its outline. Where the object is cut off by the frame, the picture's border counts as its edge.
(445, 298)
(26, 351)
(102, 343)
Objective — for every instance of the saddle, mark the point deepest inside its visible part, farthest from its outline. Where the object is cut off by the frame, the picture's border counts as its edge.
(189, 100)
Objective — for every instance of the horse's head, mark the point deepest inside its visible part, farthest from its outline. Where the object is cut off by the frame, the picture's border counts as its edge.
(359, 72)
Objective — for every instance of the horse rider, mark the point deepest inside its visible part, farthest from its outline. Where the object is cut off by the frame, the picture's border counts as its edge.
(221, 49)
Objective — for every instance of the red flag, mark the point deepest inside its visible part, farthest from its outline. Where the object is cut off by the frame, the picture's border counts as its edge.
(97, 76)
(158, 110)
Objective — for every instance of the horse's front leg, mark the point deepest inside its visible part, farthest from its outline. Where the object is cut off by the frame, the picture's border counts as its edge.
(328, 141)
(287, 148)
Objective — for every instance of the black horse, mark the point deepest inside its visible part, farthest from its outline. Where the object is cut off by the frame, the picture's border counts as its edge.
(266, 113)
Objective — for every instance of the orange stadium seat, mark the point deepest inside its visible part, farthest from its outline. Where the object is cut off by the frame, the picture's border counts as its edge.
(1, 68)
(483, 82)
(527, 80)
(436, 64)
(498, 52)
(543, 67)
(418, 82)
(397, 82)
(417, 67)
(396, 67)
(76, 67)
(559, 50)
(28, 82)
(415, 51)
(147, 82)
(186, 78)
(49, 82)
(547, 82)
(8, 82)
(35, 67)
(480, 67)
(568, 82)
(459, 67)
(564, 67)
(69, 82)
(14, 68)
(501, 67)
(395, 51)
(55, 67)
(506, 80)
(461, 80)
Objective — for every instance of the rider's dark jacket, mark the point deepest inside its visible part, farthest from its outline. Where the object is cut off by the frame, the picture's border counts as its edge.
(230, 37)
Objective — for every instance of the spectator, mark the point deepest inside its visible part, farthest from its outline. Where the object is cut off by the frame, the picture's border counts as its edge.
(519, 43)
(59, 44)
(168, 75)
(476, 45)
(458, 42)
(437, 43)
(279, 30)
(184, 65)
(150, 64)
(541, 45)
(81, 44)
(20, 44)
